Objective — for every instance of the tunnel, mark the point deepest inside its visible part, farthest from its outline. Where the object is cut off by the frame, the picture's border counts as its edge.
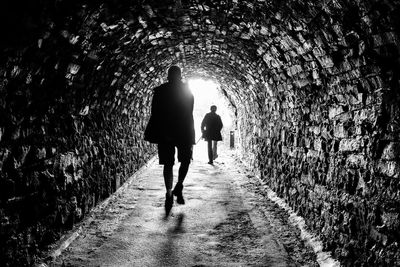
(313, 87)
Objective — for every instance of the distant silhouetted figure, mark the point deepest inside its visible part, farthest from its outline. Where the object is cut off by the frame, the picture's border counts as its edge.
(171, 125)
(211, 131)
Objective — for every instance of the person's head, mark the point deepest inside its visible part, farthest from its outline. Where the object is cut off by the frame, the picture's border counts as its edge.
(174, 74)
(213, 108)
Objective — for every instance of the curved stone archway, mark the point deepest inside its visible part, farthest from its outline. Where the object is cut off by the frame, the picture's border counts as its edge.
(314, 87)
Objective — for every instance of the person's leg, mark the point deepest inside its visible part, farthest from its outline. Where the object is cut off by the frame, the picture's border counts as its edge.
(168, 178)
(209, 150)
(183, 170)
(184, 156)
(215, 154)
(166, 154)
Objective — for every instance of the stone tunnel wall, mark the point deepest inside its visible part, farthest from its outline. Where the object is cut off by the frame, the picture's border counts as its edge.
(327, 140)
(58, 159)
(65, 142)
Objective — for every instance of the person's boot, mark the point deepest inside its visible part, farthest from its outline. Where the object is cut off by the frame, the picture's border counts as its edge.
(178, 193)
(169, 201)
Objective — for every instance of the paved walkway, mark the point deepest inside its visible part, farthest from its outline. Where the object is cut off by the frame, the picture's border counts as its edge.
(227, 221)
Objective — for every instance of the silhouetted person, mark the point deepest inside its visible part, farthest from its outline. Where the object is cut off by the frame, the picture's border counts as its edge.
(211, 131)
(171, 125)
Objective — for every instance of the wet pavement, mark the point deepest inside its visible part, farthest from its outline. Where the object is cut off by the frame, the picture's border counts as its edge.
(227, 221)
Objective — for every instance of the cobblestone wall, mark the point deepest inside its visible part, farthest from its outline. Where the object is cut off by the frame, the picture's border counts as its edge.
(314, 86)
(67, 141)
(329, 131)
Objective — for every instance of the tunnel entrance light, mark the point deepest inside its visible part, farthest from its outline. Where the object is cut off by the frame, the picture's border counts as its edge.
(206, 93)
(203, 90)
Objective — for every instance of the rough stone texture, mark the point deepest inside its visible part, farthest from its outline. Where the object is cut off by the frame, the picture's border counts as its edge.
(314, 86)
(65, 142)
(329, 130)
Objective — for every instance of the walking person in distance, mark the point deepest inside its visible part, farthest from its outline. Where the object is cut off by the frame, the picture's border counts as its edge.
(211, 131)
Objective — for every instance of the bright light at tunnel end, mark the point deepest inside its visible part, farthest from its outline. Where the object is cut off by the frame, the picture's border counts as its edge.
(203, 89)
(206, 93)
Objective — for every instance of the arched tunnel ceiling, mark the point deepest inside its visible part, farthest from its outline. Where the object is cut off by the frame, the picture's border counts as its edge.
(122, 49)
(240, 44)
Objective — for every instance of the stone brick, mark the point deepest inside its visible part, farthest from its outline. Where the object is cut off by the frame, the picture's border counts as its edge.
(339, 131)
(335, 111)
(391, 220)
(350, 145)
(356, 161)
(389, 168)
(391, 151)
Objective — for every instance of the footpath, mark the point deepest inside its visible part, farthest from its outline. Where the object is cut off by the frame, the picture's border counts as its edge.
(227, 220)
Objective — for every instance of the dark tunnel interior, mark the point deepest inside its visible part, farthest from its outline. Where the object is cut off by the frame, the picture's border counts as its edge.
(313, 86)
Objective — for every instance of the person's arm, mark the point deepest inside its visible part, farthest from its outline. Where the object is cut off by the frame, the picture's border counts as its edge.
(192, 104)
(150, 133)
(220, 125)
(155, 104)
(204, 123)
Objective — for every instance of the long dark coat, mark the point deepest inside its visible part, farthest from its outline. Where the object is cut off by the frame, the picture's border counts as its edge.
(211, 127)
(171, 119)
